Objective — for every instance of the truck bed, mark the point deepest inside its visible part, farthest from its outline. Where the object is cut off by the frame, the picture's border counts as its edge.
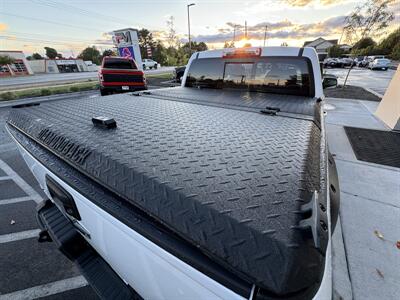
(225, 178)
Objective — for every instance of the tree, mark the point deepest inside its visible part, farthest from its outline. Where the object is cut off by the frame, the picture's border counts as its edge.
(6, 60)
(368, 19)
(108, 52)
(51, 52)
(145, 39)
(172, 39)
(364, 43)
(391, 41)
(36, 56)
(335, 51)
(284, 44)
(90, 53)
(195, 46)
(229, 45)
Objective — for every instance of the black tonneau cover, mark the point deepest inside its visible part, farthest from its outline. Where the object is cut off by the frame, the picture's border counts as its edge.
(232, 182)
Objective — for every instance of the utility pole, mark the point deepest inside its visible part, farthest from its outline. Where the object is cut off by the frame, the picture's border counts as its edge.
(245, 29)
(265, 34)
(190, 43)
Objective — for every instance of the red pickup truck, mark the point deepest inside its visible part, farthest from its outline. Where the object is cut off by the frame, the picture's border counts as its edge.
(120, 74)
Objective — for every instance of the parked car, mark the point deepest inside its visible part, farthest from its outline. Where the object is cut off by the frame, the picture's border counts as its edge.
(178, 73)
(379, 63)
(365, 62)
(221, 188)
(357, 61)
(149, 64)
(120, 74)
(332, 63)
(346, 61)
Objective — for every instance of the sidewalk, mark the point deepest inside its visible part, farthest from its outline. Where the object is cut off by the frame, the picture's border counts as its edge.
(369, 211)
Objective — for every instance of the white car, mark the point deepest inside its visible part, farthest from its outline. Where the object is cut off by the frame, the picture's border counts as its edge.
(379, 63)
(149, 64)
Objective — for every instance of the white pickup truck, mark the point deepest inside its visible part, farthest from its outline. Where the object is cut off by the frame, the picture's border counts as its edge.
(222, 188)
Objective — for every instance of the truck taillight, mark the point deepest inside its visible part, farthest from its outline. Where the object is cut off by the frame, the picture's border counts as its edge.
(242, 52)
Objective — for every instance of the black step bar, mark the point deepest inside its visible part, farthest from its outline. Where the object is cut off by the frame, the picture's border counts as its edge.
(101, 277)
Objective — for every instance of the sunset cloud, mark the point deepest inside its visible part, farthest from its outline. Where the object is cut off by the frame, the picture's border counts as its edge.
(3, 26)
(276, 30)
(307, 2)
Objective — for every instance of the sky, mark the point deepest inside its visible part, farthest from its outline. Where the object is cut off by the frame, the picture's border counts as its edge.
(70, 26)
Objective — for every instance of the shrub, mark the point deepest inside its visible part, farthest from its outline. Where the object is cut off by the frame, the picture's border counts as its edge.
(8, 96)
(45, 92)
(74, 89)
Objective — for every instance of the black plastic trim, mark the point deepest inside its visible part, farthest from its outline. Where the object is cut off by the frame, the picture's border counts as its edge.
(101, 277)
(62, 197)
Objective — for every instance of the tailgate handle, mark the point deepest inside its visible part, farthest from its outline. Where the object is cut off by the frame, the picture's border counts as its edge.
(62, 197)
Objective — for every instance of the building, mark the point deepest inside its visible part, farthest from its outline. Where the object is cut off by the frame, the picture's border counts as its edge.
(19, 67)
(346, 47)
(69, 65)
(321, 45)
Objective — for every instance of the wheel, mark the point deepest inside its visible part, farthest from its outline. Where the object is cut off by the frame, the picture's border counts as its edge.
(103, 92)
(150, 68)
(155, 66)
(144, 67)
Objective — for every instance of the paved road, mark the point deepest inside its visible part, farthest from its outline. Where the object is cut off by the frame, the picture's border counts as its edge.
(40, 79)
(377, 81)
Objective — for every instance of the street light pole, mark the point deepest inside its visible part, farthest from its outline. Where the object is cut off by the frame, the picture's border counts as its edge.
(265, 34)
(190, 43)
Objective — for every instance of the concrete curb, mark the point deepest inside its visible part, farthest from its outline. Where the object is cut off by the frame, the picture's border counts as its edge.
(348, 99)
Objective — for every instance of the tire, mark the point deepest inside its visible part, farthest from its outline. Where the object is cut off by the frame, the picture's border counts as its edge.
(103, 92)
(155, 67)
(144, 67)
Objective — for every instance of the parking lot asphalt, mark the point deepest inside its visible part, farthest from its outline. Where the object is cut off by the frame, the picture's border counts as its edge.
(376, 80)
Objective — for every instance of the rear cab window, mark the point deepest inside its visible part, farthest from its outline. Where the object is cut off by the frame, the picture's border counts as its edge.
(281, 75)
(119, 63)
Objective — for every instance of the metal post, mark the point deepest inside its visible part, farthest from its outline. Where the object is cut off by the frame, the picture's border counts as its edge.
(265, 34)
(190, 43)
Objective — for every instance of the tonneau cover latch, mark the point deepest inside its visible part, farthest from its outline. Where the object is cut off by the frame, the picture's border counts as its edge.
(270, 110)
(104, 122)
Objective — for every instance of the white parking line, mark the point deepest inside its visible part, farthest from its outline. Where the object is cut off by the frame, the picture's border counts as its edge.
(4, 178)
(15, 200)
(17, 236)
(20, 182)
(47, 289)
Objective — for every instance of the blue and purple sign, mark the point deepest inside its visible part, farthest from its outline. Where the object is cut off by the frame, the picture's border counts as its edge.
(126, 52)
